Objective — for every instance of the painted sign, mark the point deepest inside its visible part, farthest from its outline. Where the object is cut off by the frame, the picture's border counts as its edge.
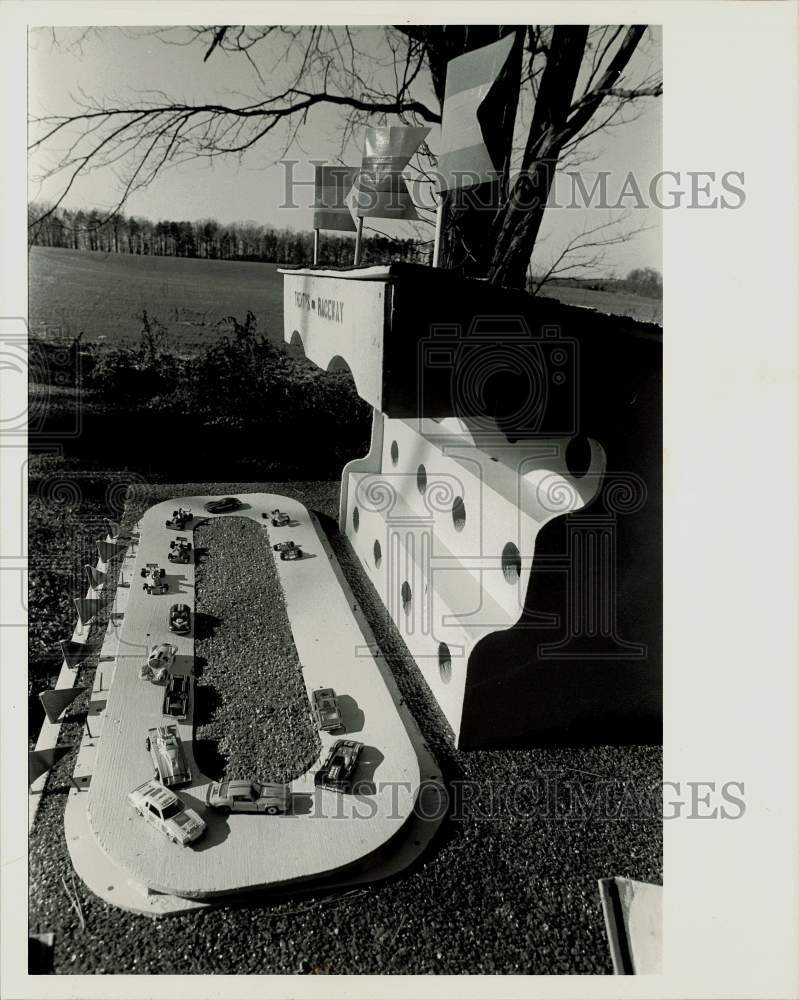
(338, 321)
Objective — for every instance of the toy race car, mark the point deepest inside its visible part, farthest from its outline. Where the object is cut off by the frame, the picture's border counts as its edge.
(224, 505)
(277, 518)
(180, 619)
(288, 550)
(166, 749)
(326, 710)
(159, 662)
(337, 771)
(180, 518)
(247, 796)
(166, 812)
(180, 550)
(154, 582)
(177, 696)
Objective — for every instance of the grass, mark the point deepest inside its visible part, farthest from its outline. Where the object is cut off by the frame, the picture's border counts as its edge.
(252, 716)
(103, 294)
(615, 303)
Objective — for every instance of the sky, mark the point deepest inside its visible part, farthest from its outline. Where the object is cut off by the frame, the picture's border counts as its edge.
(117, 65)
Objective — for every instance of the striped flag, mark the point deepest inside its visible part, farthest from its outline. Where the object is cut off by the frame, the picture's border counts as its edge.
(470, 113)
(332, 184)
(380, 189)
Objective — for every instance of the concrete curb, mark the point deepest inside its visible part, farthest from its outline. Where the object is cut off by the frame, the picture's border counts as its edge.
(342, 850)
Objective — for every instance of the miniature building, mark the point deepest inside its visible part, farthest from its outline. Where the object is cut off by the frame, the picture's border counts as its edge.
(508, 510)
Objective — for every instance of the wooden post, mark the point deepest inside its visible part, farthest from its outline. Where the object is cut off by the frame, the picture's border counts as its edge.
(316, 246)
(358, 236)
(439, 223)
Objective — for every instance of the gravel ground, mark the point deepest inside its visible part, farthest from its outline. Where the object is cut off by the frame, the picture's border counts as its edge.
(502, 890)
(252, 716)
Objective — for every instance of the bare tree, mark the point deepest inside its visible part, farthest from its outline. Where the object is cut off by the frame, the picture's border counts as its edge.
(489, 231)
(584, 251)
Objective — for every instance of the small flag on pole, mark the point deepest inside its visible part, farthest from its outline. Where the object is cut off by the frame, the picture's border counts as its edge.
(87, 608)
(73, 652)
(112, 530)
(108, 550)
(56, 700)
(468, 150)
(95, 577)
(40, 761)
(380, 189)
(332, 184)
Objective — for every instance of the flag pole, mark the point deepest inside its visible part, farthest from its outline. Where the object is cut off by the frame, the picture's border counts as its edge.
(316, 246)
(358, 235)
(439, 223)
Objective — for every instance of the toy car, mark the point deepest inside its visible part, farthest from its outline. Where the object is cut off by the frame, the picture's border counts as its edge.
(247, 796)
(177, 695)
(326, 710)
(180, 550)
(180, 619)
(166, 751)
(155, 583)
(166, 812)
(159, 663)
(277, 518)
(180, 519)
(224, 505)
(337, 771)
(288, 550)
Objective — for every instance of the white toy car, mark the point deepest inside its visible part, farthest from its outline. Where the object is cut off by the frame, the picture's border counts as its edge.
(165, 811)
(159, 663)
(154, 579)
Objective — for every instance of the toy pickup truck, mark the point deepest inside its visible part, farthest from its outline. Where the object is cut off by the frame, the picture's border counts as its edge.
(177, 696)
(167, 813)
(326, 710)
(166, 750)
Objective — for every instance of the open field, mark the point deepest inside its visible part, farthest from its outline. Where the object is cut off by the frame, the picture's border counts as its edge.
(104, 294)
(615, 303)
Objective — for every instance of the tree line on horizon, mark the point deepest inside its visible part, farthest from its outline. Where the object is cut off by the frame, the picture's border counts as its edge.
(208, 239)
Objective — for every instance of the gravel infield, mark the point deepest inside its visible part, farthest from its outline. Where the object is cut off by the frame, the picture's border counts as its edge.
(252, 716)
(498, 892)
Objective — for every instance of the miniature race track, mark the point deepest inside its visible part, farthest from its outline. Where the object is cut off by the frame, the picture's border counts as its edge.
(326, 838)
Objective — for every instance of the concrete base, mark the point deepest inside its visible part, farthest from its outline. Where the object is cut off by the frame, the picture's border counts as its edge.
(328, 840)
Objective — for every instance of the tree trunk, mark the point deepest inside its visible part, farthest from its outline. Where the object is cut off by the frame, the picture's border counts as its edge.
(518, 225)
